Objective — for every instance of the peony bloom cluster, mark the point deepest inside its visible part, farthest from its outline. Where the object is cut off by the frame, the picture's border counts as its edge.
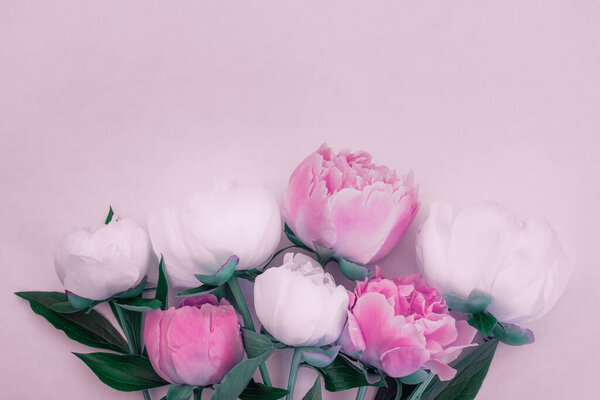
(346, 203)
(196, 343)
(519, 264)
(402, 325)
(299, 303)
(198, 234)
(98, 263)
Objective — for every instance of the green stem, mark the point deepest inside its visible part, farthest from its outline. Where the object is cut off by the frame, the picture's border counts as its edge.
(198, 393)
(129, 337)
(294, 366)
(418, 392)
(234, 285)
(362, 391)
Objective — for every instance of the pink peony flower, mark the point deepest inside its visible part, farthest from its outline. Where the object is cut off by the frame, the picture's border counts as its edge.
(196, 343)
(401, 325)
(345, 202)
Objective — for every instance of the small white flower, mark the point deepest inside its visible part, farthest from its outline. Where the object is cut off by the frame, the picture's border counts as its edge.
(97, 263)
(299, 303)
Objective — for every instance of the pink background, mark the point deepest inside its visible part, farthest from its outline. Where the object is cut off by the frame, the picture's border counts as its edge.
(132, 103)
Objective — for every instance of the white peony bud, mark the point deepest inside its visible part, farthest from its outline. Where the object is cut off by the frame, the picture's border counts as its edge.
(97, 263)
(198, 234)
(519, 264)
(299, 303)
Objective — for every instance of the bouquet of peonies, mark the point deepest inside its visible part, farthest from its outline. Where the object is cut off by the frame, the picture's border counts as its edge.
(426, 336)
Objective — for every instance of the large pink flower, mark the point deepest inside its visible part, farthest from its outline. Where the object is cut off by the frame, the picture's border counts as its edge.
(195, 344)
(345, 202)
(401, 325)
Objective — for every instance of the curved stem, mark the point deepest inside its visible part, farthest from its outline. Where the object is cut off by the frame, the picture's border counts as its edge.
(234, 285)
(294, 366)
(278, 252)
(362, 391)
(128, 336)
(418, 392)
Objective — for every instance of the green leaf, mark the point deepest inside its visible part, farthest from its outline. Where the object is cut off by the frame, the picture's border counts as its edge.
(342, 374)
(223, 274)
(476, 302)
(471, 371)
(259, 391)
(91, 329)
(315, 391)
(64, 307)
(127, 373)
(484, 322)
(318, 357)
(140, 305)
(324, 255)
(133, 292)
(392, 390)
(109, 216)
(353, 271)
(195, 291)
(294, 239)
(133, 321)
(256, 344)
(162, 289)
(80, 303)
(180, 392)
(512, 334)
(414, 378)
(236, 380)
(248, 274)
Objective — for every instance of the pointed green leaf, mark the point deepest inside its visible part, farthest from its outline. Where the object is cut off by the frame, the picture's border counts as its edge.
(133, 321)
(80, 303)
(180, 392)
(512, 334)
(162, 289)
(133, 292)
(195, 291)
(318, 357)
(342, 374)
(109, 216)
(293, 238)
(91, 329)
(236, 380)
(64, 307)
(414, 378)
(476, 302)
(256, 344)
(315, 391)
(140, 305)
(259, 391)
(324, 255)
(353, 271)
(127, 373)
(471, 371)
(484, 322)
(223, 274)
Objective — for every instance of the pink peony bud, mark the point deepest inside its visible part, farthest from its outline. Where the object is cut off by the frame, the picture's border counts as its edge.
(401, 325)
(345, 202)
(195, 344)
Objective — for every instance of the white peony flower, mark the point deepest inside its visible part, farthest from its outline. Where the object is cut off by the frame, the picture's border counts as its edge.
(519, 264)
(299, 303)
(98, 263)
(198, 234)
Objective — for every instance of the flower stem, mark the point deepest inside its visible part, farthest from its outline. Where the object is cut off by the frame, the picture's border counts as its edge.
(418, 392)
(234, 285)
(362, 391)
(128, 336)
(294, 366)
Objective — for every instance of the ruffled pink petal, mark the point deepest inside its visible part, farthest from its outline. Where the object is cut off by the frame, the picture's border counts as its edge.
(351, 339)
(403, 361)
(442, 370)
(197, 301)
(465, 335)
(305, 203)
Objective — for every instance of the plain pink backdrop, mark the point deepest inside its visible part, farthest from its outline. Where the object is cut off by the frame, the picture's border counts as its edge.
(132, 103)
